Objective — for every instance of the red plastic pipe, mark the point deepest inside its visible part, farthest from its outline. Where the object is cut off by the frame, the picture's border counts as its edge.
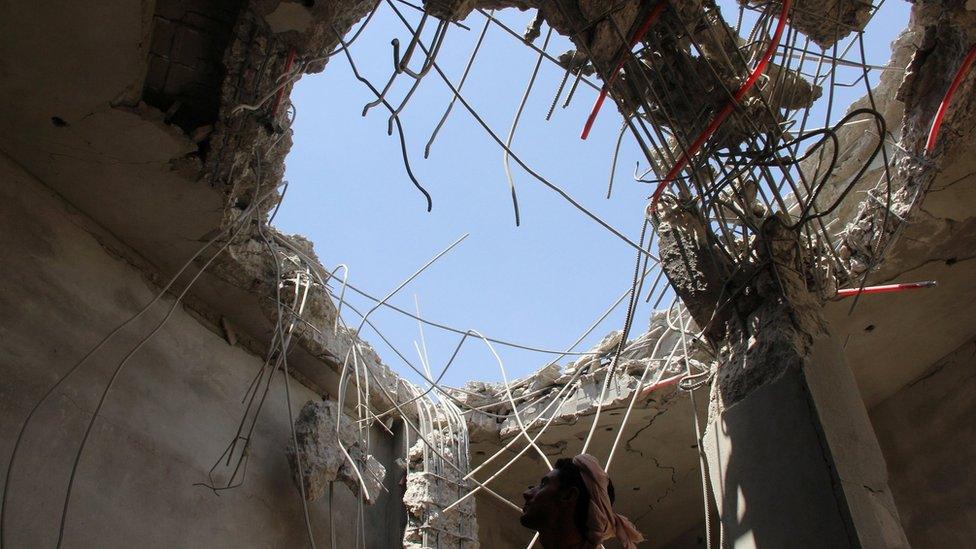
(944, 106)
(661, 384)
(727, 110)
(284, 75)
(641, 31)
(887, 288)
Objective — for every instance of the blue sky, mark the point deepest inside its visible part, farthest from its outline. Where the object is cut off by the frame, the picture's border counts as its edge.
(539, 284)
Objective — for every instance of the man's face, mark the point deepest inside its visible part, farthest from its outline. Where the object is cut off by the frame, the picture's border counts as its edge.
(544, 502)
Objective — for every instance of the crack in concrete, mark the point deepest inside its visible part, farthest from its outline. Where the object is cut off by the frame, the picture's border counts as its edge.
(670, 489)
(957, 260)
(934, 189)
(665, 407)
(872, 490)
(940, 365)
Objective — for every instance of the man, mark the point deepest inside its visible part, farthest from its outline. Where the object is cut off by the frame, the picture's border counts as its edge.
(572, 507)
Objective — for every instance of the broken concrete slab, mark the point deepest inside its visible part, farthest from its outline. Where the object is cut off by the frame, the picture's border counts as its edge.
(320, 428)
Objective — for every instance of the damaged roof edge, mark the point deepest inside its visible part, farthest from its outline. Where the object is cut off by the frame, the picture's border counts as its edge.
(242, 142)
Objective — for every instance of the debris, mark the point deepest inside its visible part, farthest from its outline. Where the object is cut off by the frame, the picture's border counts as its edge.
(321, 458)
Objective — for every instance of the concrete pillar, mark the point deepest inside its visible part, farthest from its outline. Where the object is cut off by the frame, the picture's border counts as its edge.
(793, 458)
(795, 462)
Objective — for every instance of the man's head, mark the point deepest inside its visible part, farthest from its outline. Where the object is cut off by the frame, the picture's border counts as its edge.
(560, 498)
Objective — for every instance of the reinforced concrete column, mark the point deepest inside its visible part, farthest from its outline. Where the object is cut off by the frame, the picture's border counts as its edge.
(793, 458)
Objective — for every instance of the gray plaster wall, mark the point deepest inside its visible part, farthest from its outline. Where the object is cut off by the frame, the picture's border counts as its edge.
(166, 421)
(927, 433)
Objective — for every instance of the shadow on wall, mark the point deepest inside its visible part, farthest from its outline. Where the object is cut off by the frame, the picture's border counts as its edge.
(768, 466)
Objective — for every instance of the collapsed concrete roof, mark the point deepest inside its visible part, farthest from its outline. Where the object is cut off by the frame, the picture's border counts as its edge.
(139, 129)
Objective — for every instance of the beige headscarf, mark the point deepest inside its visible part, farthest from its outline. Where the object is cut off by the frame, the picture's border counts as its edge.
(603, 523)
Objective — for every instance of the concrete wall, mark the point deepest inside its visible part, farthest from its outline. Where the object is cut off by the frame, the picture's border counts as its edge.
(927, 433)
(168, 418)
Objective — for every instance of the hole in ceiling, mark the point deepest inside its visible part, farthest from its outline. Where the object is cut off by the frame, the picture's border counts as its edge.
(516, 284)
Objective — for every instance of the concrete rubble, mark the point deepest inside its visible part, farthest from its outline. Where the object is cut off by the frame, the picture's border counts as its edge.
(826, 22)
(941, 36)
(658, 351)
(321, 458)
(859, 144)
(683, 85)
(249, 265)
